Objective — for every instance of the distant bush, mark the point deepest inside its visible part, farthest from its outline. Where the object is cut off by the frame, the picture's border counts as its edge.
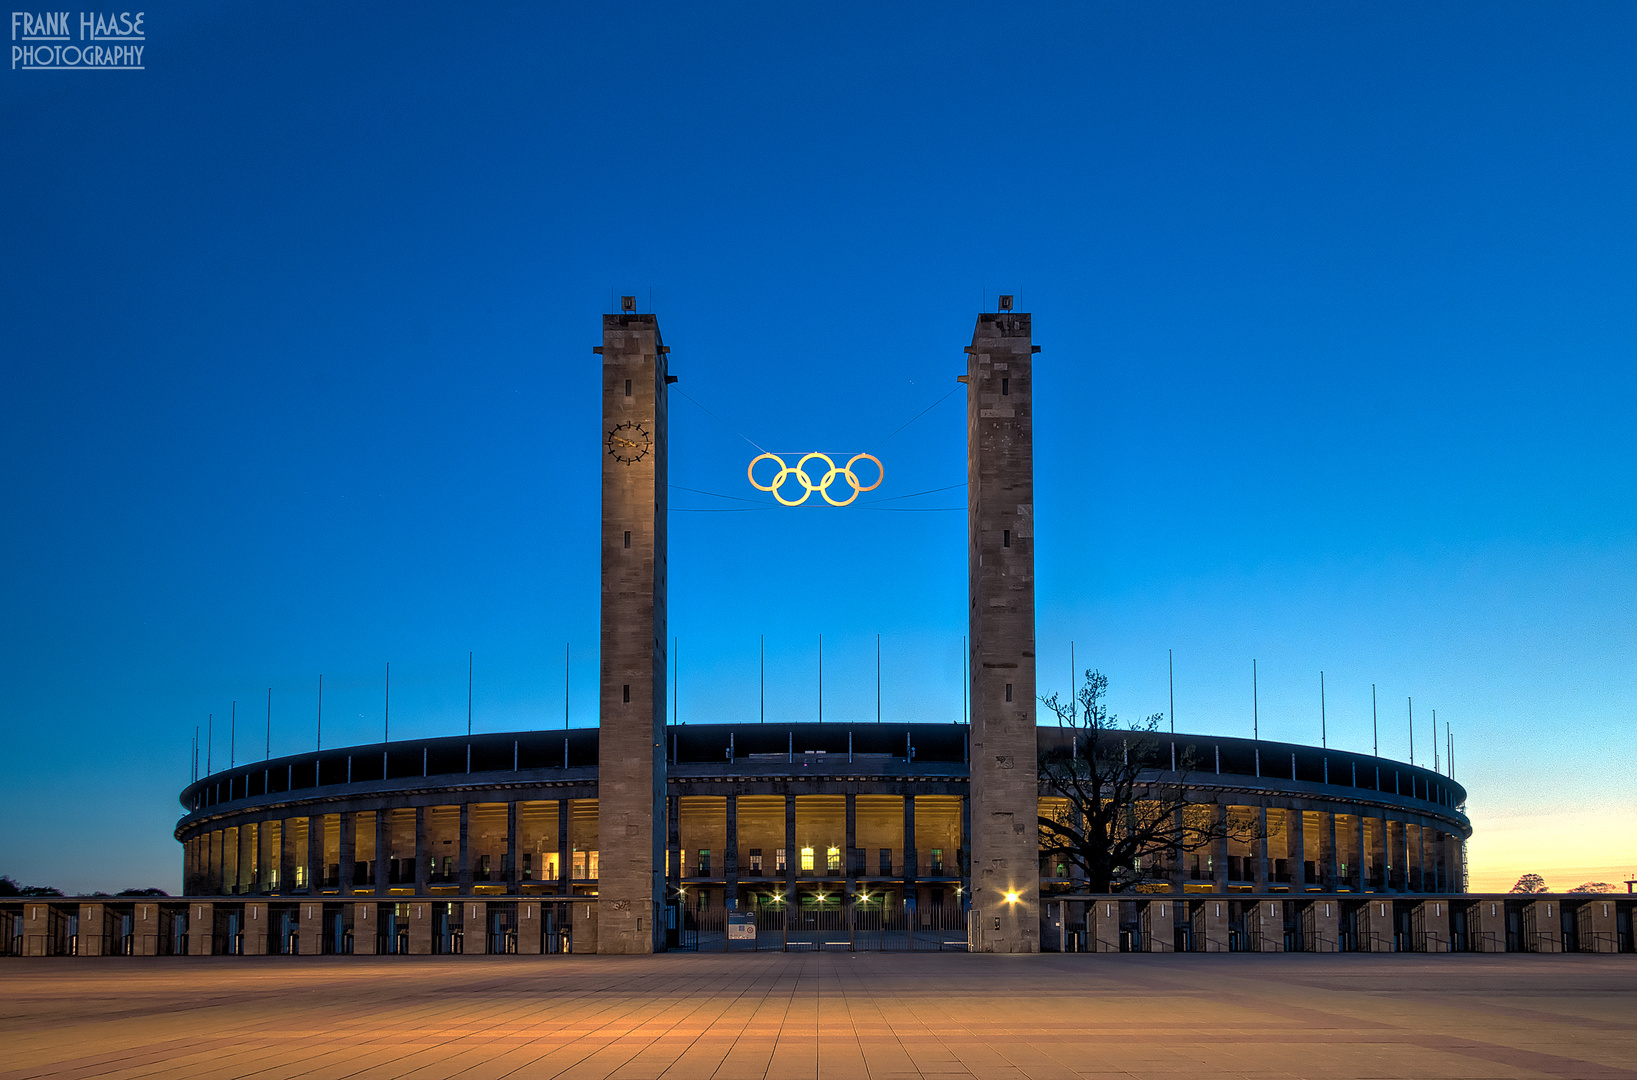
(8, 887)
(1594, 886)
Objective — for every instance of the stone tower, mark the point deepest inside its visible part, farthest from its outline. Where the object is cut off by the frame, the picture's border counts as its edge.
(1000, 563)
(631, 761)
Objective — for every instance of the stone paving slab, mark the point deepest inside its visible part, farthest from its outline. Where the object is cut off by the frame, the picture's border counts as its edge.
(772, 1016)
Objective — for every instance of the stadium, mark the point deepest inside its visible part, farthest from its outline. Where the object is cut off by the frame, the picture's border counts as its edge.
(643, 835)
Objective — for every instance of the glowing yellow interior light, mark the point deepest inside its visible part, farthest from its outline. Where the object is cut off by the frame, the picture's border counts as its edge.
(1011, 897)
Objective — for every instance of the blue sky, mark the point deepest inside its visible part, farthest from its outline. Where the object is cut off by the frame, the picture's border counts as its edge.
(1336, 306)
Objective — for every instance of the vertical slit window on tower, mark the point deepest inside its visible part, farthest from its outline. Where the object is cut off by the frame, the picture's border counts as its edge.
(628, 693)
(1008, 692)
(627, 387)
(1005, 538)
(1005, 387)
(627, 537)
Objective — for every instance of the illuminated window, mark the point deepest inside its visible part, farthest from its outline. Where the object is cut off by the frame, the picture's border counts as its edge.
(755, 862)
(778, 860)
(807, 860)
(832, 860)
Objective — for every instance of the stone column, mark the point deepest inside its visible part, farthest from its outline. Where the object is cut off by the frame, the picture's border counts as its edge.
(675, 868)
(730, 854)
(383, 852)
(288, 856)
(347, 851)
(1361, 875)
(1420, 880)
(965, 863)
(315, 854)
(565, 856)
(792, 859)
(463, 871)
(421, 856)
(1000, 565)
(1219, 849)
(1260, 853)
(631, 755)
(513, 888)
(912, 858)
(1296, 832)
(1179, 868)
(1332, 861)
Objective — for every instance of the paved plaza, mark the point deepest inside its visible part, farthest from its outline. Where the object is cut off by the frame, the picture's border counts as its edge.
(774, 1015)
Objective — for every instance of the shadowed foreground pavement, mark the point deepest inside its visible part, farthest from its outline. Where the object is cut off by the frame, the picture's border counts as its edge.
(836, 1015)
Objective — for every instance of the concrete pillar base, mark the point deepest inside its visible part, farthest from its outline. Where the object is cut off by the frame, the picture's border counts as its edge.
(365, 918)
(255, 929)
(1432, 927)
(201, 929)
(1159, 932)
(1211, 926)
(1265, 925)
(583, 936)
(1103, 926)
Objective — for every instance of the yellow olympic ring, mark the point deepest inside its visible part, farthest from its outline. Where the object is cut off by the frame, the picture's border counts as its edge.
(798, 472)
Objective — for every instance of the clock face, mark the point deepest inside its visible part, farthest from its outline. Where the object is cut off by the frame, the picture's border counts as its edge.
(629, 443)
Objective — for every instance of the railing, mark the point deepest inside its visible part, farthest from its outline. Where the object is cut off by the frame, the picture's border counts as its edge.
(1608, 939)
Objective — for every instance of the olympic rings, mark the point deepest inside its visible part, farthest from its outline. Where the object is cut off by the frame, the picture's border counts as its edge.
(798, 472)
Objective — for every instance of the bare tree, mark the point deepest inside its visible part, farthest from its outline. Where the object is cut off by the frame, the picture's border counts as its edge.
(1123, 807)
(1530, 883)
